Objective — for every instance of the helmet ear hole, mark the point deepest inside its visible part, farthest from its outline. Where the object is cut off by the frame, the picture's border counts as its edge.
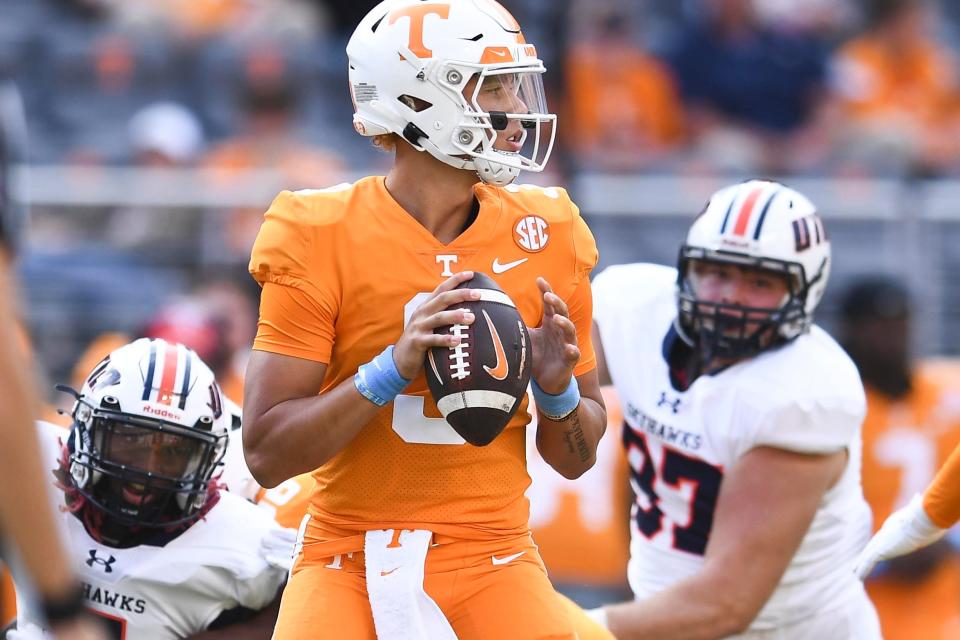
(414, 103)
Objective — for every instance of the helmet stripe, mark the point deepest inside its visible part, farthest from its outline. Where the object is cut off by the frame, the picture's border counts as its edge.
(763, 215)
(185, 386)
(171, 361)
(743, 218)
(726, 216)
(151, 368)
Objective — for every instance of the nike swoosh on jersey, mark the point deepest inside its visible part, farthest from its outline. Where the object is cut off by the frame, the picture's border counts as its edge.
(386, 573)
(500, 370)
(506, 559)
(500, 268)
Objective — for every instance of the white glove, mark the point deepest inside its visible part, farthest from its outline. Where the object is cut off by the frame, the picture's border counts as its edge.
(277, 547)
(905, 531)
(598, 615)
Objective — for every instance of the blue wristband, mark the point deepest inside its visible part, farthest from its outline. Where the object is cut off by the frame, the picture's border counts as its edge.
(379, 381)
(560, 406)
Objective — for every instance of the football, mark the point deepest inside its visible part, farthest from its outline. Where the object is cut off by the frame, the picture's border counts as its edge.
(478, 385)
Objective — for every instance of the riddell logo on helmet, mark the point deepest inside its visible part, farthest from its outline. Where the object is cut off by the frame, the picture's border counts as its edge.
(734, 242)
(161, 413)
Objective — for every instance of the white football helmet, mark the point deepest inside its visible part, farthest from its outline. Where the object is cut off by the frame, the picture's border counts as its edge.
(148, 431)
(411, 63)
(763, 225)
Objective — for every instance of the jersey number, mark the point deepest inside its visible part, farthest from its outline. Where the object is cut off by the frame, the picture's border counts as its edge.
(408, 419)
(676, 469)
(116, 628)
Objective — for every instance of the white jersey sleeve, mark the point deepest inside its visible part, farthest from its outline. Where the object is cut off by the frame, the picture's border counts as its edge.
(791, 405)
(236, 474)
(623, 289)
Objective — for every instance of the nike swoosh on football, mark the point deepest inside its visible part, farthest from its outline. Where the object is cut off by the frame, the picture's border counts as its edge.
(506, 559)
(500, 268)
(500, 370)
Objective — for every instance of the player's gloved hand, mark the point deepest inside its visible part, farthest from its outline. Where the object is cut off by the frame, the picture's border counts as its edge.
(906, 530)
(598, 615)
(277, 547)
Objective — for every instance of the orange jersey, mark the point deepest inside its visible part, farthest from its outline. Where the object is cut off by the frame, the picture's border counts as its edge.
(341, 269)
(288, 501)
(905, 441)
(591, 512)
(8, 598)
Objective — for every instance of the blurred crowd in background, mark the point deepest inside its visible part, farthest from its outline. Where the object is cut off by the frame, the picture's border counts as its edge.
(785, 87)
(160, 130)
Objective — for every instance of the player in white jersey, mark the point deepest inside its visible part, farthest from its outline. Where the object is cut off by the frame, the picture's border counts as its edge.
(742, 431)
(162, 553)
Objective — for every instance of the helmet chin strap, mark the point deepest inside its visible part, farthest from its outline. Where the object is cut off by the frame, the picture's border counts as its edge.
(495, 173)
(489, 171)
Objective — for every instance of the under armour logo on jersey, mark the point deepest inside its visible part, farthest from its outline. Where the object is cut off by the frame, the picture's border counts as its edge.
(106, 562)
(666, 402)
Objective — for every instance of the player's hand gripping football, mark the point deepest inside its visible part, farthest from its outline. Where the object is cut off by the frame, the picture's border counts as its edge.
(418, 336)
(554, 342)
(906, 530)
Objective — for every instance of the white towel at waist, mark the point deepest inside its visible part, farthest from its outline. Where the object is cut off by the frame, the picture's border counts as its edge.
(402, 610)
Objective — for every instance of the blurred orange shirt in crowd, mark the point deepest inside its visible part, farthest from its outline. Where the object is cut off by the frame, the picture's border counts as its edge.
(619, 96)
(206, 17)
(904, 443)
(911, 88)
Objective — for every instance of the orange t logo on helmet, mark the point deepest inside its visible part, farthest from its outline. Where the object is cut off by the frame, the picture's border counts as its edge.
(417, 14)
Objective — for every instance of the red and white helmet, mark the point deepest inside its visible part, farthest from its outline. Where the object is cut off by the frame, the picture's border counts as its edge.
(410, 62)
(148, 431)
(763, 225)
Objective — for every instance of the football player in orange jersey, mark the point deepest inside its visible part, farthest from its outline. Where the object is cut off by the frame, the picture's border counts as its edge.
(930, 576)
(23, 518)
(912, 425)
(924, 521)
(413, 533)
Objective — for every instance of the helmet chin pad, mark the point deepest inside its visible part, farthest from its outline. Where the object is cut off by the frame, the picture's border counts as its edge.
(495, 173)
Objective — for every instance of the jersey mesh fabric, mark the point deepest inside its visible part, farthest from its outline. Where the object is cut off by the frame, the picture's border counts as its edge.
(340, 268)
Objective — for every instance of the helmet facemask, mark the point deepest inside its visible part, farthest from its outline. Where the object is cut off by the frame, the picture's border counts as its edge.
(509, 100)
(732, 332)
(142, 471)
